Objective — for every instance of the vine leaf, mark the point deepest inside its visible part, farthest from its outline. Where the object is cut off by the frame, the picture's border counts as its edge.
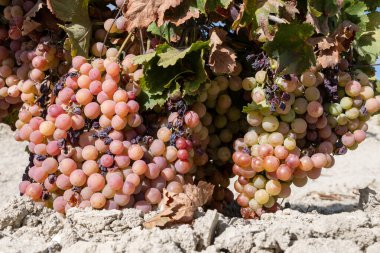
(374, 21)
(166, 31)
(345, 35)
(291, 48)
(173, 55)
(367, 46)
(167, 70)
(326, 50)
(291, 9)
(79, 30)
(254, 107)
(255, 14)
(188, 9)
(213, 5)
(357, 12)
(181, 207)
(222, 58)
(65, 10)
(79, 36)
(149, 100)
(320, 13)
(141, 13)
(371, 4)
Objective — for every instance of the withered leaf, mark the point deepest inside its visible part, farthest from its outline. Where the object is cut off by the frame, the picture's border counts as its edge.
(322, 43)
(180, 207)
(329, 58)
(328, 49)
(345, 34)
(29, 24)
(222, 58)
(182, 13)
(141, 13)
(199, 194)
(291, 8)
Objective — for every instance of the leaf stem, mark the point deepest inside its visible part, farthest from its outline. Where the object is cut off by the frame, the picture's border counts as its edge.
(142, 40)
(124, 44)
(148, 44)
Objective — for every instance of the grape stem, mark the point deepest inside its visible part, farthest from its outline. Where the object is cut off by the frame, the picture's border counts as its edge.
(277, 19)
(142, 41)
(108, 31)
(124, 44)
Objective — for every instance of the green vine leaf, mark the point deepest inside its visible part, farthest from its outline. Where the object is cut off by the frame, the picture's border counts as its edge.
(79, 30)
(357, 13)
(291, 48)
(148, 100)
(367, 46)
(79, 36)
(66, 10)
(256, 14)
(166, 31)
(146, 58)
(371, 4)
(173, 55)
(253, 107)
(169, 69)
(374, 21)
(321, 14)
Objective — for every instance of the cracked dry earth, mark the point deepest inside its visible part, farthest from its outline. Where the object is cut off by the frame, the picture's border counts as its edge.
(336, 213)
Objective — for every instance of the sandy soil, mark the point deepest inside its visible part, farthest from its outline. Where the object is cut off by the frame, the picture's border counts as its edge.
(330, 214)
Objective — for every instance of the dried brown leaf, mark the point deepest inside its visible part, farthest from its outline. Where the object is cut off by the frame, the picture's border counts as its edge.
(141, 13)
(345, 34)
(182, 17)
(291, 8)
(218, 36)
(32, 13)
(180, 207)
(322, 43)
(328, 49)
(222, 58)
(200, 194)
(329, 58)
(159, 220)
(29, 24)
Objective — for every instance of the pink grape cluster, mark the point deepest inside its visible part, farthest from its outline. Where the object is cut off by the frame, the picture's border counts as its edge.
(25, 58)
(92, 148)
(9, 91)
(297, 126)
(14, 13)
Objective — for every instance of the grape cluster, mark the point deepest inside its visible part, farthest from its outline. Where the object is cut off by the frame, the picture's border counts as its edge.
(9, 92)
(27, 58)
(219, 107)
(92, 147)
(297, 124)
(92, 144)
